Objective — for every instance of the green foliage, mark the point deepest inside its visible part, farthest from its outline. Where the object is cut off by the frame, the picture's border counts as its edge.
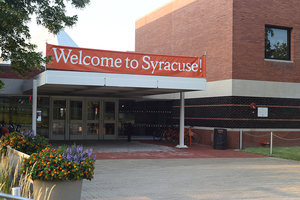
(50, 164)
(14, 31)
(23, 142)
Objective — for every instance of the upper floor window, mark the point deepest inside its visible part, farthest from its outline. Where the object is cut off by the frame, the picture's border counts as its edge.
(277, 43)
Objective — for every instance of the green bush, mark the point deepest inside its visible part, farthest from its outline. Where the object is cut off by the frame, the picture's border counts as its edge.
(73, 163)
(25, 142)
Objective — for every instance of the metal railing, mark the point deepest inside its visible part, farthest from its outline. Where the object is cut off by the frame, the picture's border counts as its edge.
(16, 194)
(271, 139)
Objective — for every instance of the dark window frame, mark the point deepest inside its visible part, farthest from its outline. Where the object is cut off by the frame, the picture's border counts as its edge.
(288, 29)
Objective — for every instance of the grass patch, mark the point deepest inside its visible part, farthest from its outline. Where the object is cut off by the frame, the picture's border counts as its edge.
(291, 153)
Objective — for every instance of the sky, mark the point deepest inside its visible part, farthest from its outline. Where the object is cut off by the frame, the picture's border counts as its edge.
(107, 24)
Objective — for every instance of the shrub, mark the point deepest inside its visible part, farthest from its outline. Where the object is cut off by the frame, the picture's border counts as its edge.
(60, 164)
(25, 142)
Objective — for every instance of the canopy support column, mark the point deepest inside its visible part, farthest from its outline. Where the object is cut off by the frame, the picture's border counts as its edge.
(34, 105)
(181, 124)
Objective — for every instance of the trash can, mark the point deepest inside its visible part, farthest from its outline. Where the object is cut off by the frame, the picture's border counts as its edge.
(220, 139)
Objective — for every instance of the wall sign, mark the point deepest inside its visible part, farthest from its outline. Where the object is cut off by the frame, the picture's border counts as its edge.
(262, 112)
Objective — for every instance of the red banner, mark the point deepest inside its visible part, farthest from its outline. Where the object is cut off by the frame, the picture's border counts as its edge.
(91, 60)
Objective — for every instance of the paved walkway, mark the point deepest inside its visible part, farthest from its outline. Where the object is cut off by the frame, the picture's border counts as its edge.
(144, 170)
(200, 178)
(148, 149)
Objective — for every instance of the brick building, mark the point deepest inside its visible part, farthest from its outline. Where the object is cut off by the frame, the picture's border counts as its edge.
(90, 94)
(252, 54)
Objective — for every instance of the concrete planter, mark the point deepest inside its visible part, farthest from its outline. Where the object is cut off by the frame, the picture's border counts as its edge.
(15, 157)
(62, 190)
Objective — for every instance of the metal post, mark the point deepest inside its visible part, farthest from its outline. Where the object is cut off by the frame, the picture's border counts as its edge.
(16, 191)
(181, 125)
(271, 143)
(34, 105)
(241, 139)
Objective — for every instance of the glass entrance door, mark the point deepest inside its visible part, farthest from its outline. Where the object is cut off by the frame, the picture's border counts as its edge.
(83, 119)
(93, 119)
(58, 124)
(109, 119)
(76, 120)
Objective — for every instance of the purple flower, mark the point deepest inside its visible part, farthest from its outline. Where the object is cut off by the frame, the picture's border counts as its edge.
(27, 134)
(77, 154)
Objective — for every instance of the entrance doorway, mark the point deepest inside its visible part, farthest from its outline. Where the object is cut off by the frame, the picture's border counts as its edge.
(83, 119)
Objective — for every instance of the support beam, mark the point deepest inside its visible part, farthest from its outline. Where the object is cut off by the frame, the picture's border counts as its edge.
(181, 125)
(34, 105)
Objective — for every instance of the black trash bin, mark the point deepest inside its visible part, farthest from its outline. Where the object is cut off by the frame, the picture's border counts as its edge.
(220, 139)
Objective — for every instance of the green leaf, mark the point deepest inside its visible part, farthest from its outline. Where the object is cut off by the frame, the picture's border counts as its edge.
(15, 34)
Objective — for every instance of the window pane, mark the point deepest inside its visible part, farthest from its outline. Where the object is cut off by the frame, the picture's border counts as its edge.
(16, 111)
(76, 110)
(58, 128)
(93, 110)
(92, 128)
(277, 43)
(109, 129)
(59, 109)
(75, 128)
(109, 112)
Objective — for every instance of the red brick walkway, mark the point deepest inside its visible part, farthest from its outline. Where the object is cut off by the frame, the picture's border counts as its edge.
(194, 151)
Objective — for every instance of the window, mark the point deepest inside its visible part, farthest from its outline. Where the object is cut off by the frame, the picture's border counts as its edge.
(277, 43)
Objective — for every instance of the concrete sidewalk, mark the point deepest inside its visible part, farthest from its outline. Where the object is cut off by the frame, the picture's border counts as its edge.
(196, 178)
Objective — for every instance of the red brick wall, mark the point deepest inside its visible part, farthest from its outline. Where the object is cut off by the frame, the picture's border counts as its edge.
(231, 32)
(193, 28)
(207, 138)
(249, 20)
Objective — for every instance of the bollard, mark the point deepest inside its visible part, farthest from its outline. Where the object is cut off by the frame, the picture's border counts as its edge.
(16, 191)
(241, 139)
(271, 143)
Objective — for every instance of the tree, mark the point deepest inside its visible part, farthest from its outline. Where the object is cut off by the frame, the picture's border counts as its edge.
(14, 31)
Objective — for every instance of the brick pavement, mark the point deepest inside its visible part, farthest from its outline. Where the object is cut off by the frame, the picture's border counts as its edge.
(148, 149)
(193, 178)
(146, 170)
